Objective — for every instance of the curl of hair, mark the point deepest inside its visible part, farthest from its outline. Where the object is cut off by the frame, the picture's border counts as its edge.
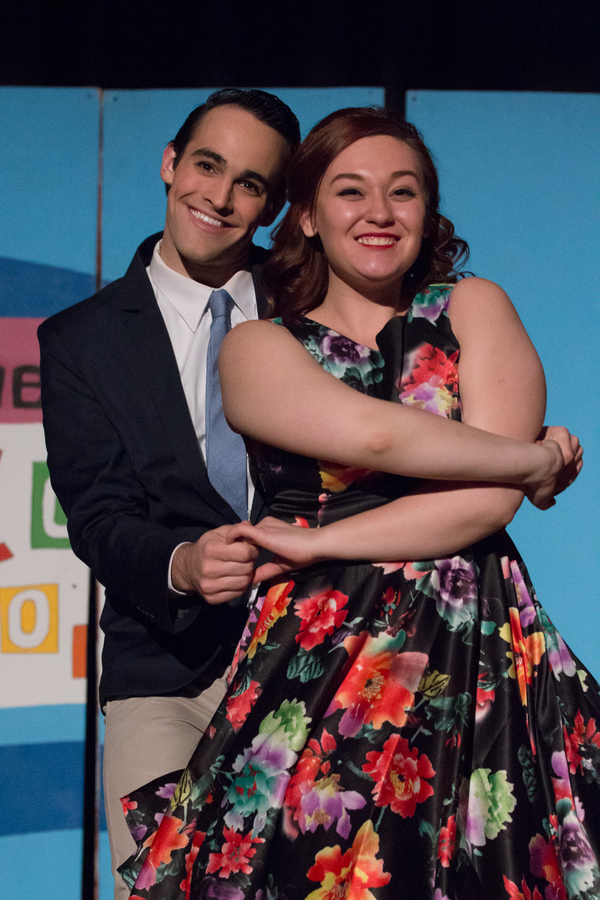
(296, 275)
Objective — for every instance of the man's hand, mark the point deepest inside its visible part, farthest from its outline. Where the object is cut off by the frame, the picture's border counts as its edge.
(293, 547)
(214, 568)
(572, 453)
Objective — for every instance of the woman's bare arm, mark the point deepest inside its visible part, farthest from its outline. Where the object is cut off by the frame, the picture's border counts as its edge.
(502, 390)
(274, 391)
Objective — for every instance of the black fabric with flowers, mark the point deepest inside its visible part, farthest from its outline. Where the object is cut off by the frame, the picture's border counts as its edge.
(391, 730)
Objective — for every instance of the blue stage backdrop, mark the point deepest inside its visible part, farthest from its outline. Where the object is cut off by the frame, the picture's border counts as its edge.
(517, 179)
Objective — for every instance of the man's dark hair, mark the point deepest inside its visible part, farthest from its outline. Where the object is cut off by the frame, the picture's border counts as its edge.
(265, 107)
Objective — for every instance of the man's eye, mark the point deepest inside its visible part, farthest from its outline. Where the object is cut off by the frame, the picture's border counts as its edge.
(250, 186)
(206, 166)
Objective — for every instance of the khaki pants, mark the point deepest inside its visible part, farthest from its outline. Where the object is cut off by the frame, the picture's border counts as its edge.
(147, 737)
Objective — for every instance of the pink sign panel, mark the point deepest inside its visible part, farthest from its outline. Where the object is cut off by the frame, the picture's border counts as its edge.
(19, 371)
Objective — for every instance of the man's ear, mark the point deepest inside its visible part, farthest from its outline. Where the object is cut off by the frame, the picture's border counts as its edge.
(167, 169)
(306, 224)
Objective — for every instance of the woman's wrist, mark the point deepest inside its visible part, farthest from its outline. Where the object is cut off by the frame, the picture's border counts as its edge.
(328, 543)
(547, 462)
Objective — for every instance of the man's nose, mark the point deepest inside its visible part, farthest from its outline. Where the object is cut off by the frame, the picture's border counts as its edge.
(219, 192)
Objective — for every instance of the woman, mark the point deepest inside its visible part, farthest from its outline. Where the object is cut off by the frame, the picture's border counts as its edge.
(392, 729)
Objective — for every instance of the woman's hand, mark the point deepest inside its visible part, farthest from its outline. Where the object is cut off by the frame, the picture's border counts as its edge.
(561, 468)
(293, 546)
(540, 487)
(572, 452)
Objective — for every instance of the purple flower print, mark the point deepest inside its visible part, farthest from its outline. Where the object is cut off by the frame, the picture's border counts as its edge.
(138, 832)
(456, 581)
(454, 587)
(431, 303)
(261, 776)
(344, 358)
(580, 872)
(212, 889)
(526, 607)
(166, 791)
(559, 654)
(326, 803)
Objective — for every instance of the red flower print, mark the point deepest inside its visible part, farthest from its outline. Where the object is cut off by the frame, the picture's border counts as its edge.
(313, 763)
(485, 699)
(379, 686)
(161, 843)
(526, 652)
(431, 382)
(190, 858)
(446, 842)
(321, 615)
(235, 854)
(544, 864)
(513, 891)
(429, 361)
(352, 873)
(580, 743)
(165, 840)
(240, 705)
(399, 776)
(127, 804)
(274, 607)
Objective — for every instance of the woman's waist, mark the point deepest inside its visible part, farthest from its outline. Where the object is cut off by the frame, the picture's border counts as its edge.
(311, 509)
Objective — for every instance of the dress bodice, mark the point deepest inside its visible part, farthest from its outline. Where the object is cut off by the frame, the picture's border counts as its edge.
(415, 364)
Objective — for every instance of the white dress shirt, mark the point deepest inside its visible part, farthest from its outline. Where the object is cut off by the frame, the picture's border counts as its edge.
(183, 303)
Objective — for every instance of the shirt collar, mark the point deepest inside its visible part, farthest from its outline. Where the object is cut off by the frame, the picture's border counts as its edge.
(190, 298)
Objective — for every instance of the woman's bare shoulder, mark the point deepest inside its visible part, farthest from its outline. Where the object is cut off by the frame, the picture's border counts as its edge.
(248, 336)
(263, 350)
(477, 290)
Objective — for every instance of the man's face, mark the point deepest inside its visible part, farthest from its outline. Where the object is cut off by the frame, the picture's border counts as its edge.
(219, 193)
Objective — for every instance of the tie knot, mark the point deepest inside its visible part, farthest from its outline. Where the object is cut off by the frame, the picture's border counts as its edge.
(220, 303)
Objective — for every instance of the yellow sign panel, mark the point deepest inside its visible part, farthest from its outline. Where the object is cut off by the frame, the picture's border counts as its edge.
(29, 619)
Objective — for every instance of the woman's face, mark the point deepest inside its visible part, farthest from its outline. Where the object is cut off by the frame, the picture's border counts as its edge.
(370, 213)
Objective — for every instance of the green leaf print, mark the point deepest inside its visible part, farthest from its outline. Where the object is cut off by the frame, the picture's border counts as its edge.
(305, 666)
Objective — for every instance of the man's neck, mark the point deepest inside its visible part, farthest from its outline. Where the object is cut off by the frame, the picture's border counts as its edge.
(213, 275)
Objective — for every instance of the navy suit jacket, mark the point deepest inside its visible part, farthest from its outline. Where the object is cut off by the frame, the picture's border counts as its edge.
(126, 467)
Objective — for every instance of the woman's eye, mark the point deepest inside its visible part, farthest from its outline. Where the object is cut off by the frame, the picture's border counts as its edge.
(349, 192)
(404, 192)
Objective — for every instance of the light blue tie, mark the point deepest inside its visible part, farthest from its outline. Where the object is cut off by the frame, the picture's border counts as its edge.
(225, 450)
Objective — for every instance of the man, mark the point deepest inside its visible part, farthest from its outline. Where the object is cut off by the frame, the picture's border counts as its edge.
(125, 388)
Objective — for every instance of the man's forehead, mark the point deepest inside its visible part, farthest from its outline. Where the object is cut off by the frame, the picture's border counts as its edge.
(226, 122)
(229, 131)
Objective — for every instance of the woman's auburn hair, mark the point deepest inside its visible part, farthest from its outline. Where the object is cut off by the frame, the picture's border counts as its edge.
(296, 274)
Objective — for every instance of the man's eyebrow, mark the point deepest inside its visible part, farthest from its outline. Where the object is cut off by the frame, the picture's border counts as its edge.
(204, 151)
(255, 176)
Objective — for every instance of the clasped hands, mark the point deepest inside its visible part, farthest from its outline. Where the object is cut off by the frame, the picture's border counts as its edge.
(221, 565)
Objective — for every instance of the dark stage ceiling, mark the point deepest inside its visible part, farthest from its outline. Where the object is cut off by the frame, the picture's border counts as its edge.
(526, 46)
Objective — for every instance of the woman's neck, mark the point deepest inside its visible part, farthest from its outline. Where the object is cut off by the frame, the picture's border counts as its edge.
(356, 315)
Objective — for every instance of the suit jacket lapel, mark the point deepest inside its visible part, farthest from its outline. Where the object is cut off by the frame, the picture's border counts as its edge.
(159, 379)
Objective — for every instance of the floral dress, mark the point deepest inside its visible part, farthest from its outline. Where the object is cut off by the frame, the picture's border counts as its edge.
(393, 730)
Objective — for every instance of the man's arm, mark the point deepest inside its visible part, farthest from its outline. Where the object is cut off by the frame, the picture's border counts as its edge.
(111, 516)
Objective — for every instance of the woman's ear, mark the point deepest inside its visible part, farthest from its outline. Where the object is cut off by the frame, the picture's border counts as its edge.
(306, 224)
